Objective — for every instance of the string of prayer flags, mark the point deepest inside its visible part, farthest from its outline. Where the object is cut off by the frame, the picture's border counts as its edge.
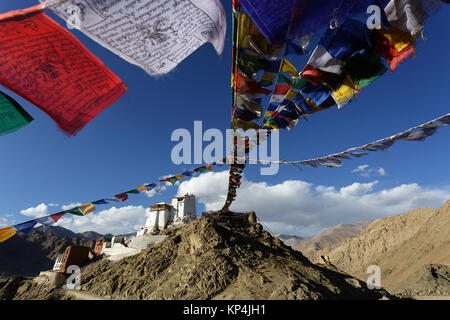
(418, 133)
(154, 35)
(284, 20)
(45, 64)
(86, 209)
(12, 115)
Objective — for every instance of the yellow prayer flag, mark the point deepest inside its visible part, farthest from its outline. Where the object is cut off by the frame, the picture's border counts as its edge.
(208, 166)
(400, 39)
(345, 92)
(289, 68)
(87, 208)
(7, 233)
(291, 94)
(143, 187)
(179, 176)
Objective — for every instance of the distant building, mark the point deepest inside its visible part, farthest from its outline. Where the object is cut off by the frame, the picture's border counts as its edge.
(163, 215)
(74, 255)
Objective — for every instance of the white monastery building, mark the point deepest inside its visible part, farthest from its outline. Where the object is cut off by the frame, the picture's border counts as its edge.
(163, 215)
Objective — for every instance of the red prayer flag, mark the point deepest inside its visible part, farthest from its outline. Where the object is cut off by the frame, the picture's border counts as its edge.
(386, 49)
(281, 89)
(313, 75)
(57, 216)
(247, 85)
(45, 64)
(122, 196)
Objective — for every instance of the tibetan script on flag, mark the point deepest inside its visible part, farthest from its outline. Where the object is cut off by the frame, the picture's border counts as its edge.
(153, 34)
(48, 66)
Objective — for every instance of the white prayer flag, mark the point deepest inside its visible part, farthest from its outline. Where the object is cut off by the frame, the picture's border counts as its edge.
(155, 35)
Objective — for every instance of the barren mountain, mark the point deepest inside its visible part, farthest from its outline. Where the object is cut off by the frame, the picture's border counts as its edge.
(217, 258)
(325, 239)
(293, 241)
(28, 254)
(403, 246)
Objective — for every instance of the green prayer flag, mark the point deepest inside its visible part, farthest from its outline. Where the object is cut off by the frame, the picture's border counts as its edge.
(133, 191)
(248, 64)
(283, 79)
(12, 115)
(364, 68)
(173, 180)
(299, 83)
(76, 211)
(202, 169)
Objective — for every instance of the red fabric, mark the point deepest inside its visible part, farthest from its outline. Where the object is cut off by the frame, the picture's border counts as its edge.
(313, 75)
(281, 89)
(247, 85)
(122, 196)
(388, 51)
(48, 66)
(57, 216)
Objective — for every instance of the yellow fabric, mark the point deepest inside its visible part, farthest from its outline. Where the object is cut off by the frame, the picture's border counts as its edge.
(289, 68)
(400, 39)
(345, 92)
(243, 29)
(290, 94)
(142, 187)
(267, 75)
(267, 124)
(209, 167)
(7, 233)
(87, 208)
(179, 176)
(246, 125)
(268, 114)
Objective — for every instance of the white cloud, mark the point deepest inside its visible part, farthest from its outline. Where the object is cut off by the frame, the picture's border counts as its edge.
(70, 205)
(113, 220)
(381, 172)
(299, 207)
(361, 168)
(365, 171)
(39, 211)
(4, 222)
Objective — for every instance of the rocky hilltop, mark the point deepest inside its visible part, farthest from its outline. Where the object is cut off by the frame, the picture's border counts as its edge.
(407, 248)
(221, 258)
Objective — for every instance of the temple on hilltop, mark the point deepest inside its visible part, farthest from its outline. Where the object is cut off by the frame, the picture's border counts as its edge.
(162, 215)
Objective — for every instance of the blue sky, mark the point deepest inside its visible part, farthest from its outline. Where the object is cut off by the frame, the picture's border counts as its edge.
(129, 142)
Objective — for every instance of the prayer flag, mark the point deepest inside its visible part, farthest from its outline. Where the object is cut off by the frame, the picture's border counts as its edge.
(6, 233)
(154, 35)
(12, 115)
(75, 211)
(289, 68)
(45, 64)
(87, 208)
(121, 196)
(25, 227)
